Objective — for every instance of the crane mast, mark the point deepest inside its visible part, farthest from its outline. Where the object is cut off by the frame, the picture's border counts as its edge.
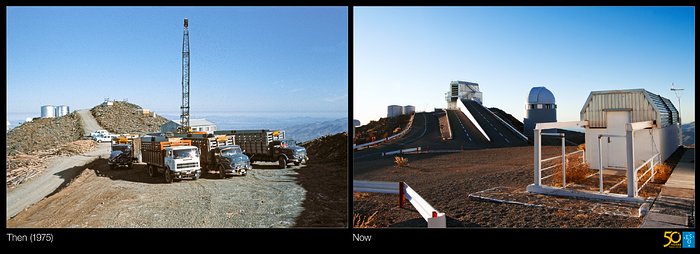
(185, 108)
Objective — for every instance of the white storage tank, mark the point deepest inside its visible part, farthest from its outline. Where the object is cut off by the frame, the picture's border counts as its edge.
(394, 111)
(62, 110)
(48, 111)
(408, 109)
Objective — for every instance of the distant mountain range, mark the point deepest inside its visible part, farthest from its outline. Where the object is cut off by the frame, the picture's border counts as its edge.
(306, 132)
(688, 133)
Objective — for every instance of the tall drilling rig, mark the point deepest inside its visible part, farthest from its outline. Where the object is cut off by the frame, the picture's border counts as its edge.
(185, 108)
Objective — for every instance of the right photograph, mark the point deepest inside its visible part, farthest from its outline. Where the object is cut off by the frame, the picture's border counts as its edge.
(523, 117)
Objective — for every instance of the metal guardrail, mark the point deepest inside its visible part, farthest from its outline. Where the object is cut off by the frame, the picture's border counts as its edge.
(402, 151)
(366, 145)
(434, 218)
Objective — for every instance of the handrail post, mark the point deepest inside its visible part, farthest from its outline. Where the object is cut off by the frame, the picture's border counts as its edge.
(563, 162)
(631, 172)
(600, 160)
(538, 157)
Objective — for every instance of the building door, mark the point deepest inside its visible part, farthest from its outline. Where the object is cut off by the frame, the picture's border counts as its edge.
(616, 146)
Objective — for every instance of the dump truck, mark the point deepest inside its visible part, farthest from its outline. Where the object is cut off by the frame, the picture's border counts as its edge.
(268, 145)
(219, 154)
(175, 158)
(126, 150)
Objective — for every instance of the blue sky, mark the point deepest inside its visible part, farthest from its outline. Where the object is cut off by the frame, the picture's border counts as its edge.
(290, 59)
(409, 55)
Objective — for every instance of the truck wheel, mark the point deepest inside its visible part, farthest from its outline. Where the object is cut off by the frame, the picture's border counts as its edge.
(168, 175)
(222, 172)
(283, 162)
(151, 171)
(196, 176)
(111, 167)
(297, 163)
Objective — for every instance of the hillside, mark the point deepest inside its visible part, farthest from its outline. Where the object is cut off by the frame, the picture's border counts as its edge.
(383, 128)
(306, 132)
(517, 124)
(43, 133)
(328, 149)
(689, 133)
(124, 117)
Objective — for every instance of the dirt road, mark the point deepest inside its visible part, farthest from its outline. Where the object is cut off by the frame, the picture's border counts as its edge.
(59, 171)
(100, 197)
(88, 121)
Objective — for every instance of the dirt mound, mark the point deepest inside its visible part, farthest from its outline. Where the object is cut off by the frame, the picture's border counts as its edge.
(383, 128)
(124, 117)
(332, 149)
(44, 133)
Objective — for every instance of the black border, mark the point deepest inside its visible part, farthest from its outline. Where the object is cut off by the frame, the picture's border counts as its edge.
(460, 240)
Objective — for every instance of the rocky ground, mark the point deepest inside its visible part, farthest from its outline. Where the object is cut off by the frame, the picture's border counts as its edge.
(446, 180)
(314, 195)
(100, 197)
(325, 181)
(124, 117)
(383, 128)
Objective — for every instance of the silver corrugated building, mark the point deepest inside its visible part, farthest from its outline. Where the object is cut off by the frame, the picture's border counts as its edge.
(608, 112)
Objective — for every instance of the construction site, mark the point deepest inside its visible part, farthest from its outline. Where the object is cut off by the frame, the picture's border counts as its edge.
(467, 165)
(113, 166)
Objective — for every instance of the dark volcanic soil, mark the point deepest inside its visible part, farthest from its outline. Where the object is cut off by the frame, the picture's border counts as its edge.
(446, 180)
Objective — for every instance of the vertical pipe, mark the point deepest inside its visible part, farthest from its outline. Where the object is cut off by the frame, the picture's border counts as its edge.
(631, 174)
(563, 162)
(538, 156)
(600, 160)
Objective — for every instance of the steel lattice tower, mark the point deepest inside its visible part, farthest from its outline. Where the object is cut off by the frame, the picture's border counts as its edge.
(185, 116)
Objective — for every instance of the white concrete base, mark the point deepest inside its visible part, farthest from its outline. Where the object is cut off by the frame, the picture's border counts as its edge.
(546, 190)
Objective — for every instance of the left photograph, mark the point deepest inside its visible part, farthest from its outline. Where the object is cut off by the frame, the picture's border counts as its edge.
(169, 117)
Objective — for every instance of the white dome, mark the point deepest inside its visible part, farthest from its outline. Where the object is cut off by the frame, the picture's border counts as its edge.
(540, 95)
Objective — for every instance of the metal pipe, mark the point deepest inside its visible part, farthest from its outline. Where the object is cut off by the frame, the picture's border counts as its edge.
(538, 156)
(600, 160)
(563, 162)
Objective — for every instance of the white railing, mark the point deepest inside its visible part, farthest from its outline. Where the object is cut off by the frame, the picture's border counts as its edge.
(402, 151)
(434, 218)
(651, 169)
(366, 145)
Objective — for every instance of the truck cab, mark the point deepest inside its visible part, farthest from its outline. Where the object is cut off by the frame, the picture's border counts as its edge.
(288, 150)
(231, 161)
(121, 156)
(181, 162)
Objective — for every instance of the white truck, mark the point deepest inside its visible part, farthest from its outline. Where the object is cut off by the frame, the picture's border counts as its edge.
(173, 157)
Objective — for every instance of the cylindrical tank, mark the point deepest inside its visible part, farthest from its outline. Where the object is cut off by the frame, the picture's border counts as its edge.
(394, 111)
(408, 109)
(62, 110)
(48, 111)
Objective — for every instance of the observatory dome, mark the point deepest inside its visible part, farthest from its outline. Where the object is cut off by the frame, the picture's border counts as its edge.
(540, 95)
